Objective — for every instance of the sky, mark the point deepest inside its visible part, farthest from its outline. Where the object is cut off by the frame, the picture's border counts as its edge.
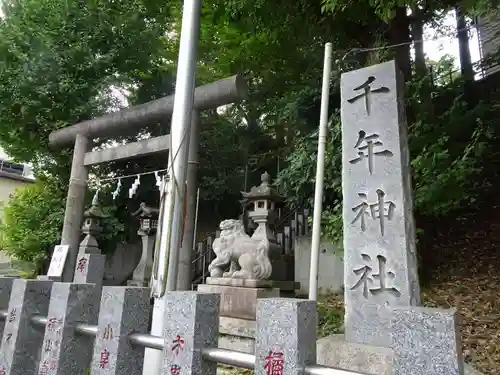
(434, 49)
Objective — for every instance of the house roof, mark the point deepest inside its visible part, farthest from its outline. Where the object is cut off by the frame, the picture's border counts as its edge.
(16, 177)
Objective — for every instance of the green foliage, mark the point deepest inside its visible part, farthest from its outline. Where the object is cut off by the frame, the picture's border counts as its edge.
(296, 181)
(446, 153)
(33, 220)
(330, 315)
(445, 159)
(58, 61)
(223, 159)
(444, 71)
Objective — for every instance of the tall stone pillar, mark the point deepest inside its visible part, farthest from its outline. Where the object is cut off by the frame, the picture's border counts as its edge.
(184, 277)
(148, 217)
(75, 204)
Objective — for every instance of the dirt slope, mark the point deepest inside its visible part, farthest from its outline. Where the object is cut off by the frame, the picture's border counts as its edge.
(461, 268)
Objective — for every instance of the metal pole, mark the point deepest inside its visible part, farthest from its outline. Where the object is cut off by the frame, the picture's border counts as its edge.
(172, 219)
(180, 129)
(184, 275)
(229, 357)
(320, 172)
(196, 217)
(147, 341)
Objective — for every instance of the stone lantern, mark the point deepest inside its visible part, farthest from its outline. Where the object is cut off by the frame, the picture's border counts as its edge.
(262, 201)
(91, 227)
(148, 219)
(148, 224)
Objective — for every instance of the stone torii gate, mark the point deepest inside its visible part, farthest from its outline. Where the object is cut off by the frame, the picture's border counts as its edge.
(81, 136)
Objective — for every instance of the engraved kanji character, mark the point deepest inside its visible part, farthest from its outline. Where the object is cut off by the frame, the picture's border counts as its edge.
(44, 368)
(175, 370)
(367, 91)
(47, 346)
(108, 332)
(361, 210)
(53, 364)
(366, 145)
(53, 323)
(82, 262)
(368, 277)
(12, 315)
(274, 363)
(104, 359)
(178, 344)
(380, 210)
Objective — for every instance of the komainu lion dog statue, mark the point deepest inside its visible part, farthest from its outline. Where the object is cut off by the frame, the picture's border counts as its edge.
(247, 257)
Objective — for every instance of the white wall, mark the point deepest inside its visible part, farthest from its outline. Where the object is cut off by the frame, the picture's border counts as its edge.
(488, 28)
(7, 187)
(330, 270)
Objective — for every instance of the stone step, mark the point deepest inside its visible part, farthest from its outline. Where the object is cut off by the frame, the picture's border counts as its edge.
(6, 270)
(334, 351)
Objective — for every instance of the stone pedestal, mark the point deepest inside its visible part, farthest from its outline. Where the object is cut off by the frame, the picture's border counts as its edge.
(148, 217)
(142, 273)
(90, 269)
(238, 306)
(239, 300)
(369, 359)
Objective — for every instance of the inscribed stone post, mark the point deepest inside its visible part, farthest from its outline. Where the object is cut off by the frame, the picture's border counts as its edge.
(124, 310)
(5, 289)
(380, 267)
(90, 268)
(22, 341)
(63, 351)
(426, 341)
(286, 336)
(191, 325)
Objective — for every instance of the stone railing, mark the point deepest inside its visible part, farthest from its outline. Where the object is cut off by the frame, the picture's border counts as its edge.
(61, 328)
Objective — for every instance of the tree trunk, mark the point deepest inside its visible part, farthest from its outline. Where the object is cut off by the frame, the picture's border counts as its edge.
(463, 46)
(421, 71)
(399, 33)
(417, 33)
(280, 142)
(465, 59)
